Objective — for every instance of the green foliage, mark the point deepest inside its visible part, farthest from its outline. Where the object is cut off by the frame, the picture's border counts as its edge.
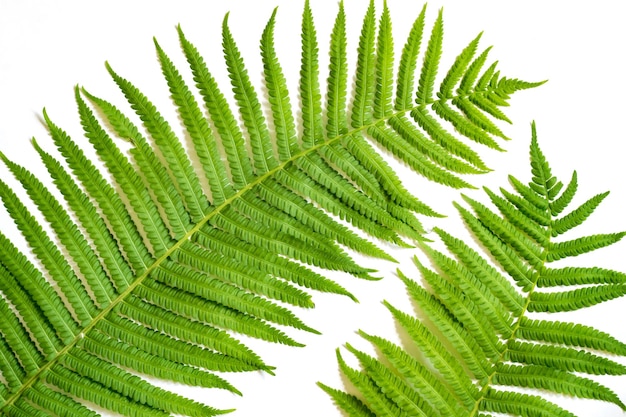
(477, 338)
(142, 270)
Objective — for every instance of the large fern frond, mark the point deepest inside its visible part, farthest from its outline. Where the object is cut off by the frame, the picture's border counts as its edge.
(482, 348)
(152, 262)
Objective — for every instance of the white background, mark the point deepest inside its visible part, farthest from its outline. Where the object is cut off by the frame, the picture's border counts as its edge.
(48, 47)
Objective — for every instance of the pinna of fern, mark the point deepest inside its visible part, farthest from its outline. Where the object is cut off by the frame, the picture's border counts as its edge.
(481, 350)
(146, 272)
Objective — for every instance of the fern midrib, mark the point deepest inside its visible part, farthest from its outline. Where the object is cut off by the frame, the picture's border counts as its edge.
(515, 328)
(212, 213)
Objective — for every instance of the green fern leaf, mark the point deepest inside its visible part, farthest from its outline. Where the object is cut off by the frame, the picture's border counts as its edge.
(579, 276)
(582, 245)
(249, 106)
(479, 348)
(431, 62)
(408, 63)
(282, 116)
(555, 381)
(513, 403)
(569, 334)
(182, 237)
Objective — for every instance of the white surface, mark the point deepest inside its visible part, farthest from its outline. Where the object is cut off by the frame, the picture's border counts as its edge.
(48, 47)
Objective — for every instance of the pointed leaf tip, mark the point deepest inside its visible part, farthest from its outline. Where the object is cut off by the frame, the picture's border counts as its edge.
(179, 30)
(533, 129)
(366, 276)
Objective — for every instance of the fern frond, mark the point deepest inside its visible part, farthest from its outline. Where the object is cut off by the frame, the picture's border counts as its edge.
(479, 348)
(173, 241)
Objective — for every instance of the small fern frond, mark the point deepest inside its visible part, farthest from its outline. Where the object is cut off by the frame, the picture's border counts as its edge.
(480, 346)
